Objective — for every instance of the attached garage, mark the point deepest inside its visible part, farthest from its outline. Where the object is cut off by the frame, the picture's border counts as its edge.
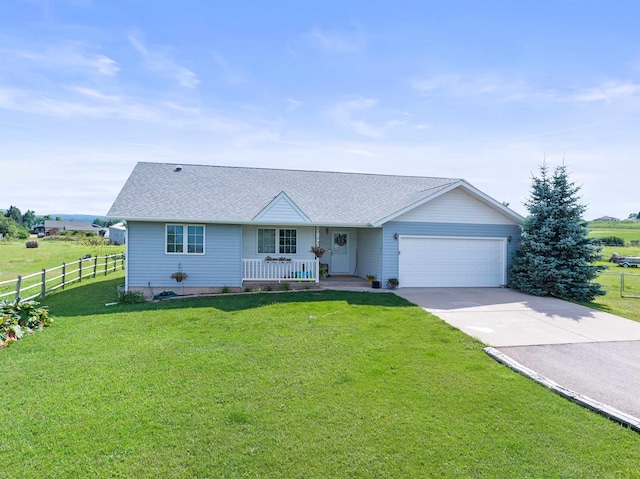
(426, 261)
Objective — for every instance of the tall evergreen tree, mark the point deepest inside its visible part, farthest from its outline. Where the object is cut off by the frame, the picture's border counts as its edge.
(15, 214)
(556, 256)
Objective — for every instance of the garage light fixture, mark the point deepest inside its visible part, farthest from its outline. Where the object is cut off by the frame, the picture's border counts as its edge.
(395, 236)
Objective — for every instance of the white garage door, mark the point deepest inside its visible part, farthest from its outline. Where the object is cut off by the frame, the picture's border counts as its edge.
(451, 262)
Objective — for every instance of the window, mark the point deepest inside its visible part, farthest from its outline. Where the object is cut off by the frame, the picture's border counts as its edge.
(287, 241)
(195, 239)
(175, 238)
(190, 243)
(266, 241)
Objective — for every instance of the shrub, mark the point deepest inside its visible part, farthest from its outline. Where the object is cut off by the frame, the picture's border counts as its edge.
(226, 289)
(33, 244)
(19, 318)
(94, 241)
(131, 297)
(285, 287)
(610, 241)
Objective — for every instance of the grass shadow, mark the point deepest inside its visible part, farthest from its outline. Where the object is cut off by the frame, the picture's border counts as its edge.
(92, 298)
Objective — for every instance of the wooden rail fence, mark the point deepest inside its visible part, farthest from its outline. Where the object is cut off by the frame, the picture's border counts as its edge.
(51, 279)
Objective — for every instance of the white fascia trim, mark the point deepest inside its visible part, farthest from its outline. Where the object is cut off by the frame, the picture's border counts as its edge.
(246, 222)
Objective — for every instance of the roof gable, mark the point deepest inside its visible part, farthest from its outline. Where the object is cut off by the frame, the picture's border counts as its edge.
(281, 210)
(490, 210)
(456, 206)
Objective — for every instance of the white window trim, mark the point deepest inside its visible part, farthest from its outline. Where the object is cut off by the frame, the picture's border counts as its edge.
(277, 239)
(185, 235)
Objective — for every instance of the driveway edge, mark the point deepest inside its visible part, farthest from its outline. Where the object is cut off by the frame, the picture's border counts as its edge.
(620, 417)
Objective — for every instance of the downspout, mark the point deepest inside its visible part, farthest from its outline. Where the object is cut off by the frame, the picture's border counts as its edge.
(126, 254)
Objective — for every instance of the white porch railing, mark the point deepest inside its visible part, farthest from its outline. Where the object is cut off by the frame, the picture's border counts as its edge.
(294, 270)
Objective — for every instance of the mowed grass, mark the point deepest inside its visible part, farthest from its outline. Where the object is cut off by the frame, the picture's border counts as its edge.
(613, 302)
(627, 230)
(312, 384)
(16, 259)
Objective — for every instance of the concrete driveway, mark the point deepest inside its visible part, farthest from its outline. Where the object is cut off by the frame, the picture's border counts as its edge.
(588, 352)
(503, 317)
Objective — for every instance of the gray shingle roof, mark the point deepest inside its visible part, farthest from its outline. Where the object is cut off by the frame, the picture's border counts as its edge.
(70, 225)
(237, 195)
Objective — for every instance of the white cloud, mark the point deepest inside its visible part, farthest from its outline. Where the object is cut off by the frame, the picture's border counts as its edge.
(104, 65)
(228, 73)
(90, 103)
(95, 94)
(106, 107)
(161, 62)
(343, 114)
(64, 56)
(361, 152)
(338, 41)
(608, 92)
(457, 85)
(293, 104)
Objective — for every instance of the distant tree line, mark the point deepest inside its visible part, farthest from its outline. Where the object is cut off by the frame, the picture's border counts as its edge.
(14, 224)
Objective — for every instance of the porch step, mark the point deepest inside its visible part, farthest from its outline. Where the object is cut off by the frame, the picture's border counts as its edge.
(333, 282)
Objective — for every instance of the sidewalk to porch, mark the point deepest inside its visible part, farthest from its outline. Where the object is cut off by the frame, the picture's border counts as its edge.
(348, 283)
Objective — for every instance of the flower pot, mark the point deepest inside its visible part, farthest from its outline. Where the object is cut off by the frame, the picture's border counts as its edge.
(375, 284)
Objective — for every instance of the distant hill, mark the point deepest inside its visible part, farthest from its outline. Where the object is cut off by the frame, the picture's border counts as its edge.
(68, 217)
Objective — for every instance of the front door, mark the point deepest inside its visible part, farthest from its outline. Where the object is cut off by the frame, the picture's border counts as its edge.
(340, 253)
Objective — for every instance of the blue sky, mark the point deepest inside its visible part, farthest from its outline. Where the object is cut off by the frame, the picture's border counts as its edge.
(480, 90)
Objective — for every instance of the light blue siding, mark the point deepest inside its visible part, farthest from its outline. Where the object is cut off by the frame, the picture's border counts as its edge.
(369, 252)
(147, 261)
(390, 244)
(306, 238)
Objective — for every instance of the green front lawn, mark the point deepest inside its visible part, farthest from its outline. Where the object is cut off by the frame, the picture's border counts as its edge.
(306, 384)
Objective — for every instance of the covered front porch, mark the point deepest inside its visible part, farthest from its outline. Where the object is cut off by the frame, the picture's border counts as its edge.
(348, 252)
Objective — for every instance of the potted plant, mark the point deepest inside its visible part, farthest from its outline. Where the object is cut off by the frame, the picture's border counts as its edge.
(323, 271)
(179, 276)
(370, 277)
(318, 251)
(393, 283)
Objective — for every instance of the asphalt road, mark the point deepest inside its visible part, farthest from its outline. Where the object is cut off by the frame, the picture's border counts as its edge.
(608, 372)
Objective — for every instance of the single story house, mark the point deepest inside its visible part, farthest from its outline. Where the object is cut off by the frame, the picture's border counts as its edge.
(228, 226)
(51, 227)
